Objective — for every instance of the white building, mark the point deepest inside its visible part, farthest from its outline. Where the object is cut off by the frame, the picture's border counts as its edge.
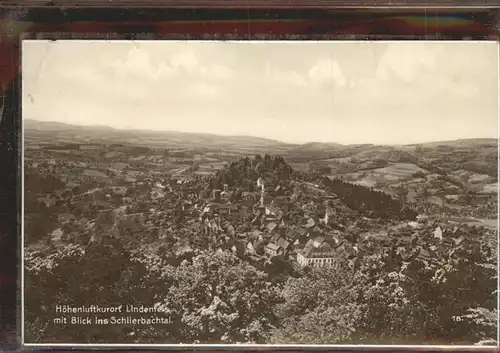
(317, 253)
(438, 233)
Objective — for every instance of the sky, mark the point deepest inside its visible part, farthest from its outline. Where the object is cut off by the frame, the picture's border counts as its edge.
(298, 92)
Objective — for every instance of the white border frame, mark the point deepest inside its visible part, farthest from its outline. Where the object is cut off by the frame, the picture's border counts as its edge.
(260, 346)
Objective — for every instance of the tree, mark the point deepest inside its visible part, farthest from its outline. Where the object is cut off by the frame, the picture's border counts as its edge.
(320, 307)
(55, 277)
(329, 325)
(482, 316)
(268, 161)
(218, 298)
(402, 194)
(485, 321)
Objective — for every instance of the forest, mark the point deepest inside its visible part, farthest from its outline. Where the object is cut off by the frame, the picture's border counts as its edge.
(214, 296)
(368, 201)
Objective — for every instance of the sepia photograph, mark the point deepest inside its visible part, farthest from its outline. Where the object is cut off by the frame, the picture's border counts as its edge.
(260, 193)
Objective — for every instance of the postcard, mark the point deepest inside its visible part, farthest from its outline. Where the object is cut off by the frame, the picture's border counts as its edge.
(271, 193)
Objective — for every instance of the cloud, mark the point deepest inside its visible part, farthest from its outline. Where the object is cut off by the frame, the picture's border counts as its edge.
(138, 63)
(92, 82)
(204, 90)
(216, 72)
(406, 61)
(420, 74)
(398, 93)
(291, 78)
(185, 60)
(277, 76)
(327, 71)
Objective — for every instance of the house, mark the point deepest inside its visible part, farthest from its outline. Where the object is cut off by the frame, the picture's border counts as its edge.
(281, 231)
(223, 210)
(186, 205)
(233, 208)
(265, 200)
(302, 231)
(407, 257)
(283, 243)
(195, 212)
(326, 219)
(316, 253)
(405, 240)
(438, 233)
(310, 223)
(226, 225)
(216, 226)
(245, 211)
(269, 219)
(274, 238)
(279, 190)
(294, 237)
(426, 256)
(271, 210)
(226, 196)
(257, 210)
(258, 213)
(255, 234)
(458, 241)
(256, 220)
(271, 226)
(214, 205)
(414, 224)
(272, 249)
(250, 196)
(122, 190)
(206, 227)
(298, 236)
(248, 202)
(349, 211)
(255, 247)
(448, 242)
(237, 247)
(282, 203)
(216, 195)
(317, 241)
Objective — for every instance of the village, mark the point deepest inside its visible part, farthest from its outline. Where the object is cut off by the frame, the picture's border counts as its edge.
(289, 221)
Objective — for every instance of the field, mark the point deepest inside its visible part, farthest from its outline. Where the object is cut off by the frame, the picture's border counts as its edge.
(393, 173)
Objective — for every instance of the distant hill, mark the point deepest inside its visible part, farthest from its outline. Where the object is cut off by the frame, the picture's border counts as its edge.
(472, 142)
(313, 146)
(103, 134)
(55, 131)
(48, 125)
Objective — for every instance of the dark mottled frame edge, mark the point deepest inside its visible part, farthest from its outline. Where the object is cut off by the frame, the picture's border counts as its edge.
(53, 20)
